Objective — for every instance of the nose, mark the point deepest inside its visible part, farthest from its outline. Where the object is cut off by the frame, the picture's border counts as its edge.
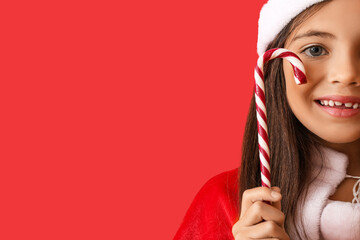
(345, 69)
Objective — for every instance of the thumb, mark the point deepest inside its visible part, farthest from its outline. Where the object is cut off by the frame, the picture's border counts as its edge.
(278, 203)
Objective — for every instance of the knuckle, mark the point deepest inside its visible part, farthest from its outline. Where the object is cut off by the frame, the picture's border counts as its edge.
(245, 193)
(282, 218)
(271, 227)
(236, 228)
(258, 206)
(240, 237)
(233, 229)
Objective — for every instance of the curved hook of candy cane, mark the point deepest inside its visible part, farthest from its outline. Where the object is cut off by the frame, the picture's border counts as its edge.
(300, 78)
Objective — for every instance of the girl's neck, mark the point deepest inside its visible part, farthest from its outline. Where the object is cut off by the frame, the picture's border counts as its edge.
(352, 150)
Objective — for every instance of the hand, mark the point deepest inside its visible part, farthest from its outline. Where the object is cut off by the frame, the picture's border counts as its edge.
(259, 220)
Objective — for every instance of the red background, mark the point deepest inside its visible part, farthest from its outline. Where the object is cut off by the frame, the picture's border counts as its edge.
(115, 113)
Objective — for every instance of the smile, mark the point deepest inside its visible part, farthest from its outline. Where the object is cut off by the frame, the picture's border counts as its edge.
(338, 109)
(338, 104)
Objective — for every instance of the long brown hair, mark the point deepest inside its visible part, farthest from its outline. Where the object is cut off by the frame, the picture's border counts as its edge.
(290, 142)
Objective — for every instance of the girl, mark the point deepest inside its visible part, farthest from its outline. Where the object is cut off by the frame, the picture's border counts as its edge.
(314, 134)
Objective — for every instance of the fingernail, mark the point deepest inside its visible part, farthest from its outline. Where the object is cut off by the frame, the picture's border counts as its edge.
(275, 194)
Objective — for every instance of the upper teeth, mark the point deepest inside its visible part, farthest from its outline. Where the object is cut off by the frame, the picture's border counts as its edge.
(331, 103)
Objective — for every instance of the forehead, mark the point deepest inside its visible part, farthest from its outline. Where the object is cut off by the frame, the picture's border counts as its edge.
(339, 17)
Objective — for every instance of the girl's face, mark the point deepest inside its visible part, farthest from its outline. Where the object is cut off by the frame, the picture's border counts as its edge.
(328, 43)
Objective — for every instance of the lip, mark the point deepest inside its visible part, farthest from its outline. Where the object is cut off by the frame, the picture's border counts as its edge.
(337, 112)
(343, 99)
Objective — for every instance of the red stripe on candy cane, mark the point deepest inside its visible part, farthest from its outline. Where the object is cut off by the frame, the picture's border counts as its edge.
(300, 78)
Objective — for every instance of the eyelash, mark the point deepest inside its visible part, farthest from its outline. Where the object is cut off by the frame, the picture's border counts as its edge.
(309, 55)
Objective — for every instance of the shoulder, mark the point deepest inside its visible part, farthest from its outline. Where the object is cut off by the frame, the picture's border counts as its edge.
(214, 209)
(223, 186)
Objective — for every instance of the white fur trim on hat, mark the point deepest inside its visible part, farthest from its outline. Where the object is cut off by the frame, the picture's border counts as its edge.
(275, 15)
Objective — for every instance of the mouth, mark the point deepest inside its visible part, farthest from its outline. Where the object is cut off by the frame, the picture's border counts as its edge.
(339, 106)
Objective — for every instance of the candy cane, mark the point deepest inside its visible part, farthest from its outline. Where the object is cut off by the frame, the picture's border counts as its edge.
(300, 78)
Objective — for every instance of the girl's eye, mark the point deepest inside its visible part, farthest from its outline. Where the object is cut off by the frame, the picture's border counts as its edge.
(314, 51)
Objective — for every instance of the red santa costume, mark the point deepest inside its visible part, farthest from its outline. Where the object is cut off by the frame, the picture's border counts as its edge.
(214, 210)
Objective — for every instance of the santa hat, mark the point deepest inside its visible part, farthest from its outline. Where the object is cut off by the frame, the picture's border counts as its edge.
(275, 15)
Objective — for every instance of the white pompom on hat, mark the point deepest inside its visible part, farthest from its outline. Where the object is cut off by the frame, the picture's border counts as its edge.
(275, 15)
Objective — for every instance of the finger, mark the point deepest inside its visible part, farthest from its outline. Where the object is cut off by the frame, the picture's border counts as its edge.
(257, 213)
(258, 194)
(261, 211)
(246, 238)
(270, 239)
(276, 204)
(265, 230)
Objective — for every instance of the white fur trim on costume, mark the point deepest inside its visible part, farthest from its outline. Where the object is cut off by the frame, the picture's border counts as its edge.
(275, 15)
(328, 171)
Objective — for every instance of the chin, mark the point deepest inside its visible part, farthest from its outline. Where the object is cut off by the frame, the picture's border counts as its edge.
(341, 139)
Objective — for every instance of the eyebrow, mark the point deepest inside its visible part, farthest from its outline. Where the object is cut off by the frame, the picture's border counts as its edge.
(314, 33)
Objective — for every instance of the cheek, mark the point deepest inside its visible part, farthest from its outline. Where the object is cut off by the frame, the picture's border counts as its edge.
(301, 101)
(298, 96)
(316, 71)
